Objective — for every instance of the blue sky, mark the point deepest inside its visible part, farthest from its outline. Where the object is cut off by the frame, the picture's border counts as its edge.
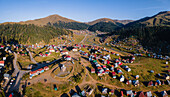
(80, 10)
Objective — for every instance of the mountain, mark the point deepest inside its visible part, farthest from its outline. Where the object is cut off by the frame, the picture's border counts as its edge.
(109, 20)
(160, 19)
(50, 19)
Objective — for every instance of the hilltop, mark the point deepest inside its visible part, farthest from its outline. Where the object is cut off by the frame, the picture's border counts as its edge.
(160, 19)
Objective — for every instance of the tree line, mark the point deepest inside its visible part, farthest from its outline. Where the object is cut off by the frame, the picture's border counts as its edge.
(30, 33)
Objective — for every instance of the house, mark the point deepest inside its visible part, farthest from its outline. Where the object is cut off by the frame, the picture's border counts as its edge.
(119, 71)
(75, 95)
(167, 77)
(2, 63)
(128, 82)
(89, 91)
(74, 49)
(4, 58)
(159, 82)
(136, 82)
(107, 71)
(67, 58)
(141, 94)
(122, 78)
(114, 75)
(7, 76)
(164, 94)
(112, 68)
(104, 90)
(137, 76)
(150, 83)
(128, 69)
(46, 68)
(64, 52)
(116, 65)
(33, 73)
(111, 92)
(92, 70)
(148, 94)
(129, 93)
(41, 70)
(168, 82)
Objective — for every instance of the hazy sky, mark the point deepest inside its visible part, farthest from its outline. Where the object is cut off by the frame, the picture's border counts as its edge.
(80, 10)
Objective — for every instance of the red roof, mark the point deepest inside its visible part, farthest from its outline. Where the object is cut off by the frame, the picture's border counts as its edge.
(68, 56)
(32, 72)
(113, 73)
(92, 69)
(99, 67)
(40, 69)
(46, 67)
(1, 62)
(104, 66)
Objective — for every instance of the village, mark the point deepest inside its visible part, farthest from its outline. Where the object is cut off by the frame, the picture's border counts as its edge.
(84, 68)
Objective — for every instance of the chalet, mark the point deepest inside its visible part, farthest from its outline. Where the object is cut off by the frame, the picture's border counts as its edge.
(168, 82)
(92, 70)
(128, 82)
(67, 58)
(120, 63)
(137, 76)
(136, 82)
(129, 93)
(74, 49)
(163, 83)
(4, 58)
(111, 92)
(104, 90)
(99, 74)
(64, 52)
(141, 94)
(1, 47)
(148, 94)
(156, 83)
(41, 70)
(128, 69)
(122, 78)
(159, 82)
(107, 71)
(7, 76)
(46, 68)
(164, 94)
(112, 68)
(114, 75)
(167, 77)
(150, 83)
(116, 65)
(2, 63)
(104, 66)
(119, 71)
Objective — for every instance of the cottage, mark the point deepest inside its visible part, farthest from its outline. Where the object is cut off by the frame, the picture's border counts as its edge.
(148, 94)
(128, 69)
(164, 94)
(46, 68)
(136, 83)
(107, 71)
(74, 49)
(92, 70)
(4, 58)
(150, 83)
(7, 76)
(104, 90)
(116, 65)
(159, 82)
(67, 58)
(141, 94)
(122, 78)
(128, 82)
(112, 68)
(114, 75)
(167, 77)
(64, 53)
(111, 92)
(137, 76)
(2, 63)
(129, 93)
(119, 71)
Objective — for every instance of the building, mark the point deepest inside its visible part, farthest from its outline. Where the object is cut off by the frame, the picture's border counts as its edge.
(7, 76)
(51, 50)
(2, 63)
(92, 70)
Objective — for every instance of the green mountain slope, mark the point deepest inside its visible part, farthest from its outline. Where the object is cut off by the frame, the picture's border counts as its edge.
(30, 33)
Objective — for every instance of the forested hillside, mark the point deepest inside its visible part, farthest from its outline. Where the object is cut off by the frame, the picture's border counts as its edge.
(156, 37)
(71, 25)
(30, 33)
(105, 26)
